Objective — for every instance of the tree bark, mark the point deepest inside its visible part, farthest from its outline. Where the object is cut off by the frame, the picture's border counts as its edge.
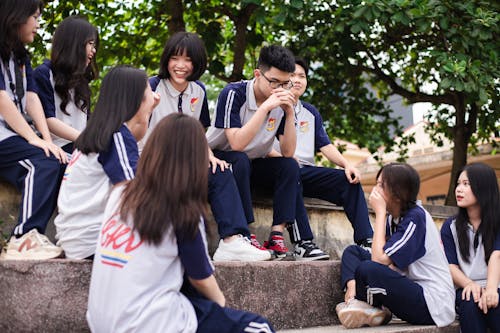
(176, 22)
(461, 138)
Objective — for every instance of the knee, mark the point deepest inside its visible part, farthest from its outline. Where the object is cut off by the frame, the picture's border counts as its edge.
(289, 166)
(240, 162)
(467, 308)
(366, 269)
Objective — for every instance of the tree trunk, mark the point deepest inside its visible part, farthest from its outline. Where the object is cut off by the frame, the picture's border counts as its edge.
(461, 137)
(176, 22)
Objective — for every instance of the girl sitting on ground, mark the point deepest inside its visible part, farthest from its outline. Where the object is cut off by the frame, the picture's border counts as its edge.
(406, 272)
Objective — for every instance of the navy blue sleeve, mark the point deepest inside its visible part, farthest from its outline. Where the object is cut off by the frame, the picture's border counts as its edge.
(119, 161)
(407, 243)
(194, 257)
(205, 112)
(154, 81)
(45, 90)
(496, 244)
(281, 127)
(2, 79)
(448, 243)
(30, 84)
(229, 103)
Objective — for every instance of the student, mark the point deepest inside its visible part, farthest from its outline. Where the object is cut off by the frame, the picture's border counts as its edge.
(29, 162)
(247, 119)
(472, 244)
(152, 236)
(406, 271)
(183, 61)
(63, 81)
(105, 154)
(341, 187)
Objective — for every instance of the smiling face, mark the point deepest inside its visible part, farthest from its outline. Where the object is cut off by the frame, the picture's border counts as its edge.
(299, 80)
(180, 67)
(28, 30)
(463, 192)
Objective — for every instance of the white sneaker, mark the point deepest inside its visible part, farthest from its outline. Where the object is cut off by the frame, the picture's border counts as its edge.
(240, 249)
(356, 313)
(30, 246)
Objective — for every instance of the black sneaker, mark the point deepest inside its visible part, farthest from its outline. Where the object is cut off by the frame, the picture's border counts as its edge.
(366, 244)
(307, 250)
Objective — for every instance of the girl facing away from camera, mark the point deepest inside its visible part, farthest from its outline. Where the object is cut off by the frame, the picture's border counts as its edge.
(62, 83)
(29, 159)
(471, 241)
(406, 272)
(152, 241)
(105, 154)
(183, 61)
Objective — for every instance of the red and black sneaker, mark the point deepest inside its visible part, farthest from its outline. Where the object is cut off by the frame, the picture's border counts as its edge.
(276, 244)
(255, 242)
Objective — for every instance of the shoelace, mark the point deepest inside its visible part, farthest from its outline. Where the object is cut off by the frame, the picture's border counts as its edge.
(309, 245)
(43, 239)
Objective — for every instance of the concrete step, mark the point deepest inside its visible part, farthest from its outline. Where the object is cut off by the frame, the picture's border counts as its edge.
(395, 326)
(51, 295)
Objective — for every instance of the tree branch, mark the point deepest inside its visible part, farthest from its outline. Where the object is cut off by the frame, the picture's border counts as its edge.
(412, 97)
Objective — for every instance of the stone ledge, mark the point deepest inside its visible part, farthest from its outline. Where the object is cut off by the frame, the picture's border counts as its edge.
(51, 296)
(395, 326)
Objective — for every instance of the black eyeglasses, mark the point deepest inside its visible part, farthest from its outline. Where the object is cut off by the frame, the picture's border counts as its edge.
(277, 84)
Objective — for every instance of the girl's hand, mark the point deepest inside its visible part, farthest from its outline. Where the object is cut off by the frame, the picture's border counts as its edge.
(350, 291)
(49, 147)
(489, 299)
(214, 162)
(377, 201)
(474, 289)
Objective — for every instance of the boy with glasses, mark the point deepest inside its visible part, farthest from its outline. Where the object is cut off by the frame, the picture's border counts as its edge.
(247, 119)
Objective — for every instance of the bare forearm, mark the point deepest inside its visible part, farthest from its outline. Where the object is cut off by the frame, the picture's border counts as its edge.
(240, 138)
(459, 278)
(62, 130)
(210, 289)
(35, 110)
(493, 278)
(288, 141)
(378, 243)
(334, 155)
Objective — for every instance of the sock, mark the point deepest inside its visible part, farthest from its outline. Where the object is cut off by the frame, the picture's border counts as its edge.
(275, 233)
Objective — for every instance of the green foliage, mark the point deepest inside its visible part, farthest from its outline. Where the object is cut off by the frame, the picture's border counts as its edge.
(362, 51)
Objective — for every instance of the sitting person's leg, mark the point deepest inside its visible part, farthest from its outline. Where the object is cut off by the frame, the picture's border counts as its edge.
(379, 285)
(331, 185)
(36, 176)
(470, 316)
(228, 212)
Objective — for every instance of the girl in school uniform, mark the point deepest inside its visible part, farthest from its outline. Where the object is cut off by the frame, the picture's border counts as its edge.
(63, 81)
(152, 240)
(472, 244)
(183, 61)
(406, 271)
(28, 158)
(105, 154)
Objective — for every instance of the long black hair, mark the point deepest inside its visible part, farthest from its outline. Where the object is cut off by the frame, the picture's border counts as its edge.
(484, 186)
(13, 14)
(121, 94)
(170, 186)
(69, 58)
